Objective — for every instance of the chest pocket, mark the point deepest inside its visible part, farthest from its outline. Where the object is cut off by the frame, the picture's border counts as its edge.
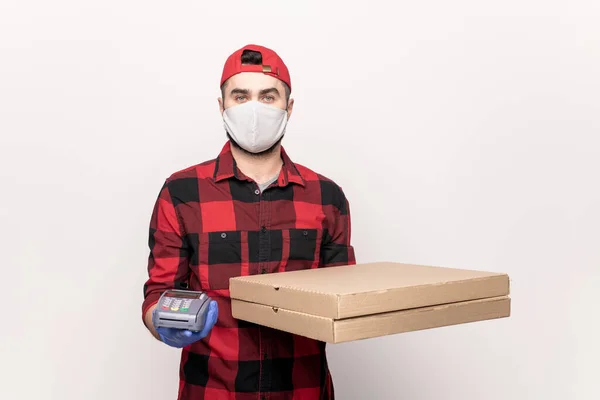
(220, 256)
(301, 249)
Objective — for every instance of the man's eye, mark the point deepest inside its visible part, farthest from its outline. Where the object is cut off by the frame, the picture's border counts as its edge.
(239, 98)
(269, 98)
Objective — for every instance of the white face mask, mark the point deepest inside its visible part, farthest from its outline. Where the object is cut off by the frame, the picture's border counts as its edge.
(255, 126)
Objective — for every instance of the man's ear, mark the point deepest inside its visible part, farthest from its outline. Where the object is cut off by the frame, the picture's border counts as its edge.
(290, 107)
(221, 107)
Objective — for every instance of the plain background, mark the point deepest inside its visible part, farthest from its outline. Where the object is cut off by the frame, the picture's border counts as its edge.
(464, 133)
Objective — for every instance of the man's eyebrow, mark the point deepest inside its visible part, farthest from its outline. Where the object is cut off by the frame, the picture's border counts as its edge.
(239, 91)
(269, 90)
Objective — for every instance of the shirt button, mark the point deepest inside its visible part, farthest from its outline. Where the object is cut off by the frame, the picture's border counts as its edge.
(223, 235)
(305, 233)
(263, 271)
(263, 229)
(257, 192)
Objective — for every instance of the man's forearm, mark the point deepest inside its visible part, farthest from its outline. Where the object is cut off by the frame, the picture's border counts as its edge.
(149, 324)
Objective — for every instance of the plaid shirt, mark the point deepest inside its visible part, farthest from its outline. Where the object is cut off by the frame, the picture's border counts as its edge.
(210, 223)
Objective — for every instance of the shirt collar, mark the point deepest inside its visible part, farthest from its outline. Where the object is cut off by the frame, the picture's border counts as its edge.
(226, 168)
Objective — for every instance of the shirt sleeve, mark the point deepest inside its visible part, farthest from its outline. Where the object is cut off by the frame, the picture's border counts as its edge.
(168, 261)
(336, 249)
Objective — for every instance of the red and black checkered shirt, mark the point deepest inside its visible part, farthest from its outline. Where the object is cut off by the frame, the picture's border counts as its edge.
(210, 223)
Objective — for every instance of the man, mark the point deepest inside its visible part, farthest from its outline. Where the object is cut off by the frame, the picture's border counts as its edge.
(251, 210)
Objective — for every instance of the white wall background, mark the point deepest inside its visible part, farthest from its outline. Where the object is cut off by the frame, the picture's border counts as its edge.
(465, 133)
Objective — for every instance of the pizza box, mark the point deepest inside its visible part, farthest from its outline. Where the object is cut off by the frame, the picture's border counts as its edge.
(355, 302)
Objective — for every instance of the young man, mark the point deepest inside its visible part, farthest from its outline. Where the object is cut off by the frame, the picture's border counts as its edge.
(251, 210)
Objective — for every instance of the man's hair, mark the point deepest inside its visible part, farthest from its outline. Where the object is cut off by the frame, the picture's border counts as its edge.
(252, 57)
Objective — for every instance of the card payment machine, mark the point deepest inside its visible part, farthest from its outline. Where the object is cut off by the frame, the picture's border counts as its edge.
(182, 309)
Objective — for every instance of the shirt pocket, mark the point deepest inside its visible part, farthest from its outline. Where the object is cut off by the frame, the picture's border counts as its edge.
(301, 249)
(220, 256)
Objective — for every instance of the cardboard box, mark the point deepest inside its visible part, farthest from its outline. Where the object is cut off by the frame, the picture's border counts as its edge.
(362, 301)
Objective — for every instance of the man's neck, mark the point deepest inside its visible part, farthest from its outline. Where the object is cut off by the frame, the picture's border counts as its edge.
(258, 168)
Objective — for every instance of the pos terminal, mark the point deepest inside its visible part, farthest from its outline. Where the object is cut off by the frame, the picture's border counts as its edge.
(182, 309)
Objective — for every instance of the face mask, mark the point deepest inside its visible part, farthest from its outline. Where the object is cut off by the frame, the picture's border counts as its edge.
(255, 126)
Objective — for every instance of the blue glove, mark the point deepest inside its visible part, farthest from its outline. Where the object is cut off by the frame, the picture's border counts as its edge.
(182, 337)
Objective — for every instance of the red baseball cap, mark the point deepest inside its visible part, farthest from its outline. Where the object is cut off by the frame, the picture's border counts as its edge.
(272, 65)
